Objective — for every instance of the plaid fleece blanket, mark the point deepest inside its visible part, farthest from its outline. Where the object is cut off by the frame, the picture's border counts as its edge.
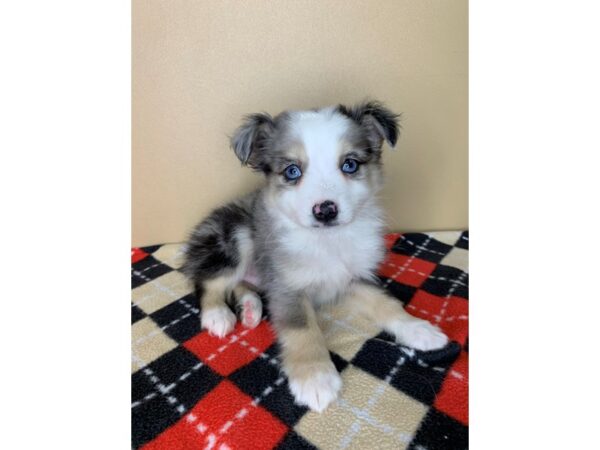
(195, 391)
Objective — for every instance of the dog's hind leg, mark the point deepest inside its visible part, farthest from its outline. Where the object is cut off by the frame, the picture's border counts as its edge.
(388, 313)
(248, 305)
(218, 255)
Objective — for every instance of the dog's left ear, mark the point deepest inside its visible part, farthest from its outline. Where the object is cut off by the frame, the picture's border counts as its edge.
(379, 122)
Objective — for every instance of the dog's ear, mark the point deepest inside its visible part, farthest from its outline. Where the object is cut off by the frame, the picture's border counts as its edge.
(379, 122)
(251, 138)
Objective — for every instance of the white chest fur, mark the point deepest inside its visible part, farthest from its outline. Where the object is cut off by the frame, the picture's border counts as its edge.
(326, 260)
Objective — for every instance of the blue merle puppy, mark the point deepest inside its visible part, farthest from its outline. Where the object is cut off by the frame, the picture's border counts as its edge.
(312, 235)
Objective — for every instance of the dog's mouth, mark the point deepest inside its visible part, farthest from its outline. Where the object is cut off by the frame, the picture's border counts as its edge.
(333, 223)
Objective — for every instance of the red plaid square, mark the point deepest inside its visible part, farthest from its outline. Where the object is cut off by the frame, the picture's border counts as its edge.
(425, 305)
(137, 255)
(454, 318)
(237, 349)
(224, 419)
(406, 269)
(390, 239)
(453, 396)
(450, 314)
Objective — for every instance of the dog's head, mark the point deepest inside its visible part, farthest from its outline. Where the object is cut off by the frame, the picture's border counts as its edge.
(322, 166)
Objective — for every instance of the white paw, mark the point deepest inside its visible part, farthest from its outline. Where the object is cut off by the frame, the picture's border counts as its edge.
(218, 321)
(317, 388)
(419, 334)
(251, 309)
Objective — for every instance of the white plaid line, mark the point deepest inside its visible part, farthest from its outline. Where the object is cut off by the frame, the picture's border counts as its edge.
(139, 274)
(161, 288)
(158, 385)
(438, 317)
(150, 396)
(182, 377)
(366, 416)
(422, 363)
(243, 412)
(343, 325)
(410, 352)
(188, 306)
(461, 317)
(423, 274)
(153, 333)
(421, 247)
(407, 263)
(456, 374)
(174, 322)
(420, 310)
(375, 396)
(150, 267)
(271, 360)
(201, 428)
(448, 295)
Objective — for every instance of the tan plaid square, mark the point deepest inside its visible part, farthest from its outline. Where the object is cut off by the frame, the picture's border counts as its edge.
(457, 257)
(369, 414)
(148, 342)
(345, 333)
(447, 237)
(170, 254)
(160, 292)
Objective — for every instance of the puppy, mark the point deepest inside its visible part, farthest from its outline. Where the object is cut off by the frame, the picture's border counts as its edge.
(311, 236)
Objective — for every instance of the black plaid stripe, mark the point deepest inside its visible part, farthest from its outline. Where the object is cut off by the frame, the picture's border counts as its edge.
(440, 432)
(180, 320)
(402, 292)
(152, 416)
(182, 380)
(136, 314)
(146, 270)
(425, 246)
(445, 280)
(416, 376)
(151, 248)
(339, 362)
(463, 240)
(261, 374)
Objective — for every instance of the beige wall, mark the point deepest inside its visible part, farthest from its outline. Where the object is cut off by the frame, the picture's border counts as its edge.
(198, 66)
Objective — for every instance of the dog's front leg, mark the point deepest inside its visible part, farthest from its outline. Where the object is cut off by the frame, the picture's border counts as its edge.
(313, 379)
(387, 312)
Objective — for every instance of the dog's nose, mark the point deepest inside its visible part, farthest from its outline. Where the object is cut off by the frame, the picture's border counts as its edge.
(325, 212)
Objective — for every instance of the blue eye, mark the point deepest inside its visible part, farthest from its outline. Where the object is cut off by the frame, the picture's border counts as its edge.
(292, 172)
(350, 166)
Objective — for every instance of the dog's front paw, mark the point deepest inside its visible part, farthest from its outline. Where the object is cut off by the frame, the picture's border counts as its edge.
(419, 334)
(219, 321)
(315, 385)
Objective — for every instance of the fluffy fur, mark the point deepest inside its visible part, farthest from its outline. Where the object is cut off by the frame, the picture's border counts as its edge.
(274, 240)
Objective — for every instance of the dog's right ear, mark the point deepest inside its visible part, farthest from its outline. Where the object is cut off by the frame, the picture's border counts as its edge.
(251, 139)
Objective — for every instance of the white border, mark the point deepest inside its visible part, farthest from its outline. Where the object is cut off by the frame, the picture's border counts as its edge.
(65, 183)
(65, 178)
(534, 270)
